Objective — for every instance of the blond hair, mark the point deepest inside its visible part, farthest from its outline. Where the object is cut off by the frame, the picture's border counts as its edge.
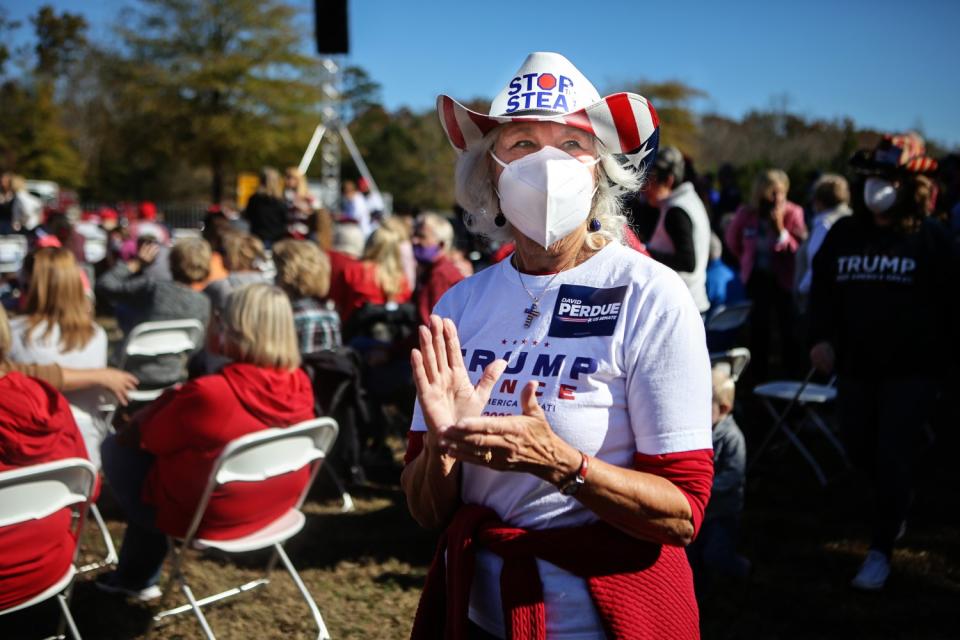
(475, 192)
(270, 183)
(294, 172)
(383, 250)
(56, 297)
(765, 180)
(724, 388)
(242, 251)
(831, 190)
(303, 269)
(258, 328)
(190, 260)
(4, 336)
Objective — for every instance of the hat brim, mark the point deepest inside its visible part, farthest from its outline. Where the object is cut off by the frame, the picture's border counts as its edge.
(863, 163)
(623, 122)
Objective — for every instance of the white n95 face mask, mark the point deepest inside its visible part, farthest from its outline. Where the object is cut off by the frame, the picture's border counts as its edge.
(546, 195)
(879, 194)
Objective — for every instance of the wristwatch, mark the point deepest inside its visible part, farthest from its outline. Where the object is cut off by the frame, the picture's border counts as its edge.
(570, 486)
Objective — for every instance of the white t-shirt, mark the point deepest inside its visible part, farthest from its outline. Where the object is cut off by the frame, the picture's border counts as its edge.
(84, 403)
(355, 208)
(620, 353)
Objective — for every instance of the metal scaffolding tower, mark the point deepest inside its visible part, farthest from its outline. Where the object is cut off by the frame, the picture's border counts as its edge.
(330, 142)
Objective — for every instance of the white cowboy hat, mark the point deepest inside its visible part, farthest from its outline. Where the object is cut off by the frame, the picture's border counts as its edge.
(548, 88)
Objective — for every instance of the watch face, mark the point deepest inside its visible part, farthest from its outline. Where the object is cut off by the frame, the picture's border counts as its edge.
(572, 487)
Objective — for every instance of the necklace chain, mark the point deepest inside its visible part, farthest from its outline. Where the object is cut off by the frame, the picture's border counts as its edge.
(534, 309)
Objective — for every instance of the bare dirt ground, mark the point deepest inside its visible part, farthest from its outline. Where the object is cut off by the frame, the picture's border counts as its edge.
(365, 569)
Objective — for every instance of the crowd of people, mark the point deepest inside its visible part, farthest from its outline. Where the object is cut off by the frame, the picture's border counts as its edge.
(561, 399)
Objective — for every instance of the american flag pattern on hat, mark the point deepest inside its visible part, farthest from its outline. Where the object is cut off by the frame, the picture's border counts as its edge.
(625, 123)
(903, 152)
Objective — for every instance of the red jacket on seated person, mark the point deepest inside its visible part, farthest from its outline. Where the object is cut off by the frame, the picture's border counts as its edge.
(190, 427)
(358, 286)
(36, 426)
(432, 282)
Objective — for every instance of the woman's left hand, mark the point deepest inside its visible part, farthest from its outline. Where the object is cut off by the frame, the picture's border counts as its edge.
(524, 443)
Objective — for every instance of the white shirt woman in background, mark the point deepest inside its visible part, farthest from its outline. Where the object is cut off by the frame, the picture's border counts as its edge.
(59, 327)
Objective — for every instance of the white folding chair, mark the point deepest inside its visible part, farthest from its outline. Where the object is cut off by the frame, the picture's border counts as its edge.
(727, 317)
(182, 233)
(254, 458)
(736, 359)
(161, 338)
(13, 249)
(38, 491)
(809, 397)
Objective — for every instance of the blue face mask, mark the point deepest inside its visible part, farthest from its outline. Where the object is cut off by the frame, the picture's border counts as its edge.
(426, 255)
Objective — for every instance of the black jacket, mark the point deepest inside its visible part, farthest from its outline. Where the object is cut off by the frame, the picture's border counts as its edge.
(267, 217)
(886, 299)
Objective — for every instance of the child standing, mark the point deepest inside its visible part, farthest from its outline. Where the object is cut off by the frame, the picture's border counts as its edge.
(714, 550)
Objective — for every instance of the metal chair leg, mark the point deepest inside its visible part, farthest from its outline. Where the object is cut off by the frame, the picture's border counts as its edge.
(323, 634)
(820, 424)
(781, 426)
(207, 631)
(111, 556)
(67, 617)
(817, 470)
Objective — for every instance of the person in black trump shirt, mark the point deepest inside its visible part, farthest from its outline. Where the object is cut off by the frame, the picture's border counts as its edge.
(881, 309)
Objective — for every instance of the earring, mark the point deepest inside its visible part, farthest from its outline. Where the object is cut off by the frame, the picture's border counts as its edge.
(594, 225)
(500, 220)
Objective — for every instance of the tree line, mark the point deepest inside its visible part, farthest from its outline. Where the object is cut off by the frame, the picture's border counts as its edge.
(188, 94)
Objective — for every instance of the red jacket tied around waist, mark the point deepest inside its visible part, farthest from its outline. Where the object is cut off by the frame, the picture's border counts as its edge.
(641, 590)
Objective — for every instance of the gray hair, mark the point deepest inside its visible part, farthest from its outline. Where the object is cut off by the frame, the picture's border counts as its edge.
(476, 194)
(440, 226)
(348, 239)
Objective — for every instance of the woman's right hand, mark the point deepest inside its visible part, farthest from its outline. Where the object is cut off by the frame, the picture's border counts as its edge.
(443, 386)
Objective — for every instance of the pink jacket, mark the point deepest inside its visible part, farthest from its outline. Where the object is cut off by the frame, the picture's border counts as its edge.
(741, 238)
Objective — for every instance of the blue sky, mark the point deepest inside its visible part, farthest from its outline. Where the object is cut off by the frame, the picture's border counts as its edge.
(884, 63)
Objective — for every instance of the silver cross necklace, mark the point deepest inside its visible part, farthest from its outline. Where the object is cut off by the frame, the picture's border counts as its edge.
(534, 310)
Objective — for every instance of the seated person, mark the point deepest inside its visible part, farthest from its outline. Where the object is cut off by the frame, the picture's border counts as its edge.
(58, 327)
(159, 467)
(36, 426)
(243, 254)
(432, 244)
(715, 550)
(723, 284)
(162, 300)
(376, 279)
(303, 272)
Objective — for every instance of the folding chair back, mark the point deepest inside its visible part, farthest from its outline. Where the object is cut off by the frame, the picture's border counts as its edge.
(38, 491)
(166, 337)
(273, 452)
(736, 359)
(729, 317)
(157, 352)
(13, 249)
(182, 233)
(265, 454)
(254, 458)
